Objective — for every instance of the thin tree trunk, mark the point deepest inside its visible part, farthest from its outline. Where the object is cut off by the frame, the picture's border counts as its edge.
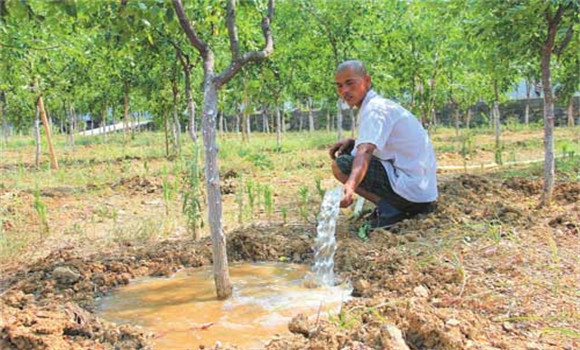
(53, 161)
(456, 115)
(310, 116)
(72, 126)
(549, 157)
(434, 118)
(104, 121)
(166, 130)
(190, 107)
(4, 119)
(571, 112)
(278, 127)
(266, 126)
(37, 136)
(339, 119)
(527, 108)
(468, 120)
(497, 131)
(219, 253)
(327, 121)
(126, 88)
(220, 123)
(176, 126)
(249, 125)
(238, 123)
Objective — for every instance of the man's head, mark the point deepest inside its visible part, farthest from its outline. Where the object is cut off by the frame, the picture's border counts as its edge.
(352, 82)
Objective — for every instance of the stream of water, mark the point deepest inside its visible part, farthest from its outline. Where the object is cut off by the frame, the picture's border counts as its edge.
(325, 244)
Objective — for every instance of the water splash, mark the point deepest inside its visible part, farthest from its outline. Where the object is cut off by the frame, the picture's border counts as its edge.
(325, 243)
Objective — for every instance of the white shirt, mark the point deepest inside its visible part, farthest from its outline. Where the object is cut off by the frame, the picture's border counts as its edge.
(402, 146)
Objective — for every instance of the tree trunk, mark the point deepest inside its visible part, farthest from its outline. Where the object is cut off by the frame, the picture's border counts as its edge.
(497, 130)
(221, 122)
(265, 124)
(249, 125)
(468, 119)
(339, 119)
(104, 121)
(327, 121)
(190, 108)
(527, 108)
(300, 119)
(456, 115)
(175, 125)
(53, 161)
(549, 157)
(278, 127)
(126, 88)
(434, 118)
(212, 178)
(72, 126)
(37, 136)
(4, 118)
(166, 130)
(310, 116)
(238, 123)
(571, 112)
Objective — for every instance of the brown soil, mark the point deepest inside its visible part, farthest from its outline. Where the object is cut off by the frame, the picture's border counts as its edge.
(486, 270)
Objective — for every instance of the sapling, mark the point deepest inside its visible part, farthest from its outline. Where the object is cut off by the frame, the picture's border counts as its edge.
(319, 188)
(268, 203)
(303, 195)
(41, 211)
(240, 199)
(192, 192)
(251, 197)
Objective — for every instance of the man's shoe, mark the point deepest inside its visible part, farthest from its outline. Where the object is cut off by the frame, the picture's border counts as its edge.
(387, 216)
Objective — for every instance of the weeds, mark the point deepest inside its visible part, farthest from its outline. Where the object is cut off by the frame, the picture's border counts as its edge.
(319, 188)
(240, 199)
(303, 205)
(41, 211)
(192, 192)
(251, 196)
(169, 189)
(268, 201)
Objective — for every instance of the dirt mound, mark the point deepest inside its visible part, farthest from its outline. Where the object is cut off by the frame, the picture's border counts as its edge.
(528, 186)
(140, 184)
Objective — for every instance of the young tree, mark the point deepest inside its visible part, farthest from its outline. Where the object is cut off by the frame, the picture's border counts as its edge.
(212, 82)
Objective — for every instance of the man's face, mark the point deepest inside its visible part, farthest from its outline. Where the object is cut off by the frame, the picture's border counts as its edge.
(352, 87)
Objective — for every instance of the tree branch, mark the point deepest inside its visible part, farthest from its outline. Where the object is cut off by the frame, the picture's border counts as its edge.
(189, 31)
(252, 56)
(566, 41)
(233, 30)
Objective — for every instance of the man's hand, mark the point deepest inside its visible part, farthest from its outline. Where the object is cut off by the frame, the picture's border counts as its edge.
(342, 147)
(347, 198)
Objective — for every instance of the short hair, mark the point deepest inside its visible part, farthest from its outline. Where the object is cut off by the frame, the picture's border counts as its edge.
(357, 66)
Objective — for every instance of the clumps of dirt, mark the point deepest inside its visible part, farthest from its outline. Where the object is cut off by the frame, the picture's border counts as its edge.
(566, 223)
(530, 187)
(62, 191)
(382, 324)
(568, 192)
(141, 184)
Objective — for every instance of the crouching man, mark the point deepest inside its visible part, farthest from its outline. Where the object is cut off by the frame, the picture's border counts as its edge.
(392, 162)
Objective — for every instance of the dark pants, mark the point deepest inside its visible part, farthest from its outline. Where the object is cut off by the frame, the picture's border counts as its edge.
(377, 182)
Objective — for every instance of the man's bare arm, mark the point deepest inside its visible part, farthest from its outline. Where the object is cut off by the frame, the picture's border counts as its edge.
(360, 166)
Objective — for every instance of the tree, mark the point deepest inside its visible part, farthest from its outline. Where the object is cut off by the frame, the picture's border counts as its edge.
(212, 82)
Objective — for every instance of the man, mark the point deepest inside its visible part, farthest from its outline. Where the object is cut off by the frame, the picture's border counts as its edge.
(392, 162)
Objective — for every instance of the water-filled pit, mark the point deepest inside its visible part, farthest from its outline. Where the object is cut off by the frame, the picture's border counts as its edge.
(184, 313)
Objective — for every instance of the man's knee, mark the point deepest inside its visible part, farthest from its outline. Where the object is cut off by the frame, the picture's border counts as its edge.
(341, 167)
